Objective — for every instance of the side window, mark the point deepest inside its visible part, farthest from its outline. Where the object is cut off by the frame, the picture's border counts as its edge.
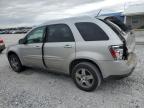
(59, 33)
(36, 35)
(91, 32)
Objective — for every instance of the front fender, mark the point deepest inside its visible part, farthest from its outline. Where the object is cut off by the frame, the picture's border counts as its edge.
(14, 49)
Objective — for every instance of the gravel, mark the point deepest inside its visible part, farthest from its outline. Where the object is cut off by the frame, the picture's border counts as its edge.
(35, 88)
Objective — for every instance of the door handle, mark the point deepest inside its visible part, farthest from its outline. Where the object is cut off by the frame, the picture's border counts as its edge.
(37, 47)
(67, 46)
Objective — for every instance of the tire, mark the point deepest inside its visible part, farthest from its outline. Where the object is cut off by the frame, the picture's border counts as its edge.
(1, 51)
(15, 63)
(86, 76)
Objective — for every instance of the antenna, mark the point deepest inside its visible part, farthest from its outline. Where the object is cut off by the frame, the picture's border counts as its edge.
(99, 12)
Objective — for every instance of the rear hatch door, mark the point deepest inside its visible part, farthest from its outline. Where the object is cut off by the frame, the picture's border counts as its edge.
(124, 31)
(130, 41)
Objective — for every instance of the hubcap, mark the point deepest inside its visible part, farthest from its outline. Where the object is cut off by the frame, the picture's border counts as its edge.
(84, 78)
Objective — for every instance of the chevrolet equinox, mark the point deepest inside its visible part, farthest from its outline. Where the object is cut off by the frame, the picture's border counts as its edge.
(89, 49)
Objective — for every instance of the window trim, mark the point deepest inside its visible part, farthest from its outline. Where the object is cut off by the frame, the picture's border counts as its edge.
(47, 31)
(96, 25)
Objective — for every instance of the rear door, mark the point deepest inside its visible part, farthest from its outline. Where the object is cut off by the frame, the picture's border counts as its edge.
(59, 47)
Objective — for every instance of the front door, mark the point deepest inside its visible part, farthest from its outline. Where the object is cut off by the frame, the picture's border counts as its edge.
(59, 47)
(31, 51)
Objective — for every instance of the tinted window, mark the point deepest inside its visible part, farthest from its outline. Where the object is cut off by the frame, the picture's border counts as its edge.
(36, 35)
(91, 32)
(59, 33)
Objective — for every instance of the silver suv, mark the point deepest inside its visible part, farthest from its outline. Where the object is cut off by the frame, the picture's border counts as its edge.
(88, 49)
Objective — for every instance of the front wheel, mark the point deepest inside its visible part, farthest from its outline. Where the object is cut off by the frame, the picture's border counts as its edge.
(15, 63)
(1, 51)
(86, 76)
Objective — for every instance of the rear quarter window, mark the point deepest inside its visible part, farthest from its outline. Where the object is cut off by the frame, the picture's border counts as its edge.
(91, 32)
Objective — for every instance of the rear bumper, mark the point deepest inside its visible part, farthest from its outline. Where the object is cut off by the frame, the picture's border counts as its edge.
(117, 77)
(118, 69)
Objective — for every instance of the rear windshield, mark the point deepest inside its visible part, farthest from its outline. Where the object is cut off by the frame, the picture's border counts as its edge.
(91, 32)
(120, 24)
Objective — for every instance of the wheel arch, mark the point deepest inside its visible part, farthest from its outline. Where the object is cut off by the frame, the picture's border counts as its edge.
(12, 52)
(76, 61)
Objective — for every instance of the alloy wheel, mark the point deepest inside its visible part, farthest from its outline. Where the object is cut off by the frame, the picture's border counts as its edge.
(84, 78)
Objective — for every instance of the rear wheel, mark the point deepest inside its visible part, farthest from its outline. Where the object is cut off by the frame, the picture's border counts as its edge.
(86, 76)
(15, 63)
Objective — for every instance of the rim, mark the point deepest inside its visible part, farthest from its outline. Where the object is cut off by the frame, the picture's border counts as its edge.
(14, 62)
(84, 78)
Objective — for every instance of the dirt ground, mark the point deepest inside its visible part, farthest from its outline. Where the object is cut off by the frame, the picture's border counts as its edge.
(35, 88)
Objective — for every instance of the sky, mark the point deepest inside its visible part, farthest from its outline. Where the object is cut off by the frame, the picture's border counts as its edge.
(15, 13)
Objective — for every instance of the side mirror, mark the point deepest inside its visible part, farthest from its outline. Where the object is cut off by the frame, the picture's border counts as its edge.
(22, 41)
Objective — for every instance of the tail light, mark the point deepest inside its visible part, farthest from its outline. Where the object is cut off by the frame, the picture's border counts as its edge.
(117, 52)
(1, 40)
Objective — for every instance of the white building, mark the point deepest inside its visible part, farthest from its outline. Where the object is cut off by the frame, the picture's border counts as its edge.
(134, 15)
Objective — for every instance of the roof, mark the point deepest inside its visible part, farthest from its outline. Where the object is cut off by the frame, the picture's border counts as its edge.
(134, 10)
(67, 20)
